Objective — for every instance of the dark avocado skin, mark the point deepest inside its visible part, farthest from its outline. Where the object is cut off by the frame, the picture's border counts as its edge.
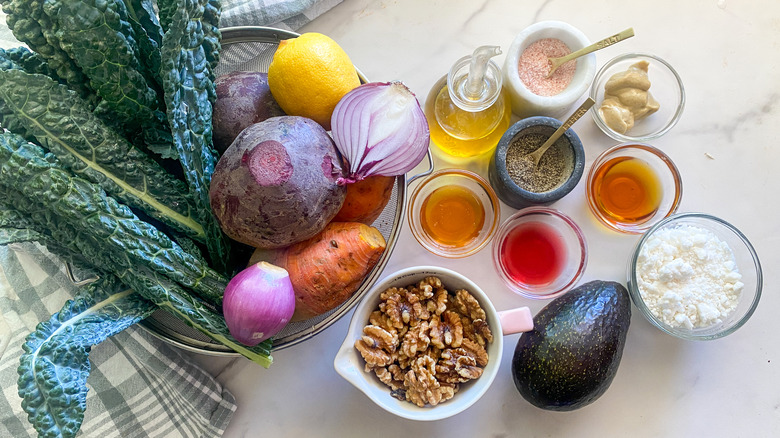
(571, 356)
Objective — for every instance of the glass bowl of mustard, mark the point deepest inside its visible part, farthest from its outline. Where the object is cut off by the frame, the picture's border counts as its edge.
(639, 97)
(453, 213)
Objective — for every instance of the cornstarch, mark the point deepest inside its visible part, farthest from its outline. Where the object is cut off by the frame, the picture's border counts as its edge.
(688, 277)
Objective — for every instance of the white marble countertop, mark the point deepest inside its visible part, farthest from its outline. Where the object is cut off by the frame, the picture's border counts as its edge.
(728, 55)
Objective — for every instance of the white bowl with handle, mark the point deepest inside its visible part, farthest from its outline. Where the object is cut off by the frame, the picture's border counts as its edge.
(350, 364)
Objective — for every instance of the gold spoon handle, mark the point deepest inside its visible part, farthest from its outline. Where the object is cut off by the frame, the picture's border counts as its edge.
(537, 154)
(598, 45)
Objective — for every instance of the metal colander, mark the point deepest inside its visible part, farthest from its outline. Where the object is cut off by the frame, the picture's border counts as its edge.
(251, 48)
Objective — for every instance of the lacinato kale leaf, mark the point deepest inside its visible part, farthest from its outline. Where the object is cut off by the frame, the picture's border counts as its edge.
(15, 227)
(97, 35)
(166, 10)
(25, 167)
(149, 34)
(79, 239)
(17, 235)
(33, 27)
(54, 367)
(29, 61)
(190, 50)
(61, 121)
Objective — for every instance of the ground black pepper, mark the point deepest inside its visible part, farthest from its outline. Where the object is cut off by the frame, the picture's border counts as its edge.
(554, 168)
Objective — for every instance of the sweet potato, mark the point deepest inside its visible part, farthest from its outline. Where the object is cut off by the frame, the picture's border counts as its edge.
(328, 268)
(366, 199)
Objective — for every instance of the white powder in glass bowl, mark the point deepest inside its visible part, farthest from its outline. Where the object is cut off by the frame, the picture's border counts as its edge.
(688, 277)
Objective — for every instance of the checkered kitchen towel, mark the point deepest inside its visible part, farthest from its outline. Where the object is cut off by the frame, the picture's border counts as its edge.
(284, 14)
(138, 385)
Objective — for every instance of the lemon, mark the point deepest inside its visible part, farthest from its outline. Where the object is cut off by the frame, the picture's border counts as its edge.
(308, 76)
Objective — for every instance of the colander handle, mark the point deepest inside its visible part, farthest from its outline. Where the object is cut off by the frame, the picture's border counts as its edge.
(424, 173)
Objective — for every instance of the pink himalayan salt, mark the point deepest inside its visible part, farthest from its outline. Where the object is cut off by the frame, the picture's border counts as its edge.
(534, 66)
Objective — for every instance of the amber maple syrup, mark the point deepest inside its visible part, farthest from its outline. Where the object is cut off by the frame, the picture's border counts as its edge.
(627, 190)
(452, 215)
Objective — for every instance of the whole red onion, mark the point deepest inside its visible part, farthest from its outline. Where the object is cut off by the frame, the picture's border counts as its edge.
(258, 302)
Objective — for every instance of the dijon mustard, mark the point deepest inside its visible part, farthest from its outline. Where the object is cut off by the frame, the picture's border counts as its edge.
(627, 99)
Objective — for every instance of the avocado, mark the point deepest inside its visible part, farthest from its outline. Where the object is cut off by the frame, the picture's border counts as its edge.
(571, 356)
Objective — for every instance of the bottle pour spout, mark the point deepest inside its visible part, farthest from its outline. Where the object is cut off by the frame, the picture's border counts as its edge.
(475, 83)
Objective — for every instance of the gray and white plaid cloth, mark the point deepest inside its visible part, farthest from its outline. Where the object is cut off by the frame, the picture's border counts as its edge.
(283, 14)
(138, 386)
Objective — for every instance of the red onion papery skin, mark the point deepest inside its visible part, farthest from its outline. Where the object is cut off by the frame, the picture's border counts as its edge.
(258, 302)
(380, 129)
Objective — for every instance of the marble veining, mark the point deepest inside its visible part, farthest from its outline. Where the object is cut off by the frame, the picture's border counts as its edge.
(726, 53)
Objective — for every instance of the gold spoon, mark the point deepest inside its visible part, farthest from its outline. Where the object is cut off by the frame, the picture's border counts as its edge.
(537, 154)
(598, 45)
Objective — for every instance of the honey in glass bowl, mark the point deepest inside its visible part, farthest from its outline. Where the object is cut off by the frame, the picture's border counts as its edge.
(452, 215)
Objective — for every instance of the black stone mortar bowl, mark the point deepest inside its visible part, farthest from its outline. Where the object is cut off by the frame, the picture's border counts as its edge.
(506, 188)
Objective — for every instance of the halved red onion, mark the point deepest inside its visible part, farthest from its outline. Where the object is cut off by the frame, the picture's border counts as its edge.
(380, 129)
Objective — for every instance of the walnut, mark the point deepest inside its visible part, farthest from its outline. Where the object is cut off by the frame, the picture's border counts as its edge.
(478, 330)
(388, 378)
(457, 365)
(402, 307)
(438, 304)
(421, 385)
(397, 372)
(382, 320)
(446, 331)
(377, 345)
(433, 352)
(423, 341)
(448, 390)
(380, 338)
(374, 357)
(416, 339)
(467, 305)
(477, 351)
(427, 286)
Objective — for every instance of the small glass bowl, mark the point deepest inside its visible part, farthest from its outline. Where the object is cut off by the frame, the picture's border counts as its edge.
(665, 86)
(663, 168)
(747, 263)
(455, 178)
(571, 242)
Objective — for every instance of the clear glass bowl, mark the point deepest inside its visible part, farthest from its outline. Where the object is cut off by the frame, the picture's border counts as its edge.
(746, 261)
(667, 176)
(569, 245)
(450, 178)
(665, 86)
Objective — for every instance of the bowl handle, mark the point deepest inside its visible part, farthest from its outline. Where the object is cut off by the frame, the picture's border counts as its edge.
(427, 172)
(517, 320)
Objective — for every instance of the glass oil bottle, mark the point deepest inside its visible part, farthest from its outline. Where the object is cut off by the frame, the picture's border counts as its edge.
(467, 110)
